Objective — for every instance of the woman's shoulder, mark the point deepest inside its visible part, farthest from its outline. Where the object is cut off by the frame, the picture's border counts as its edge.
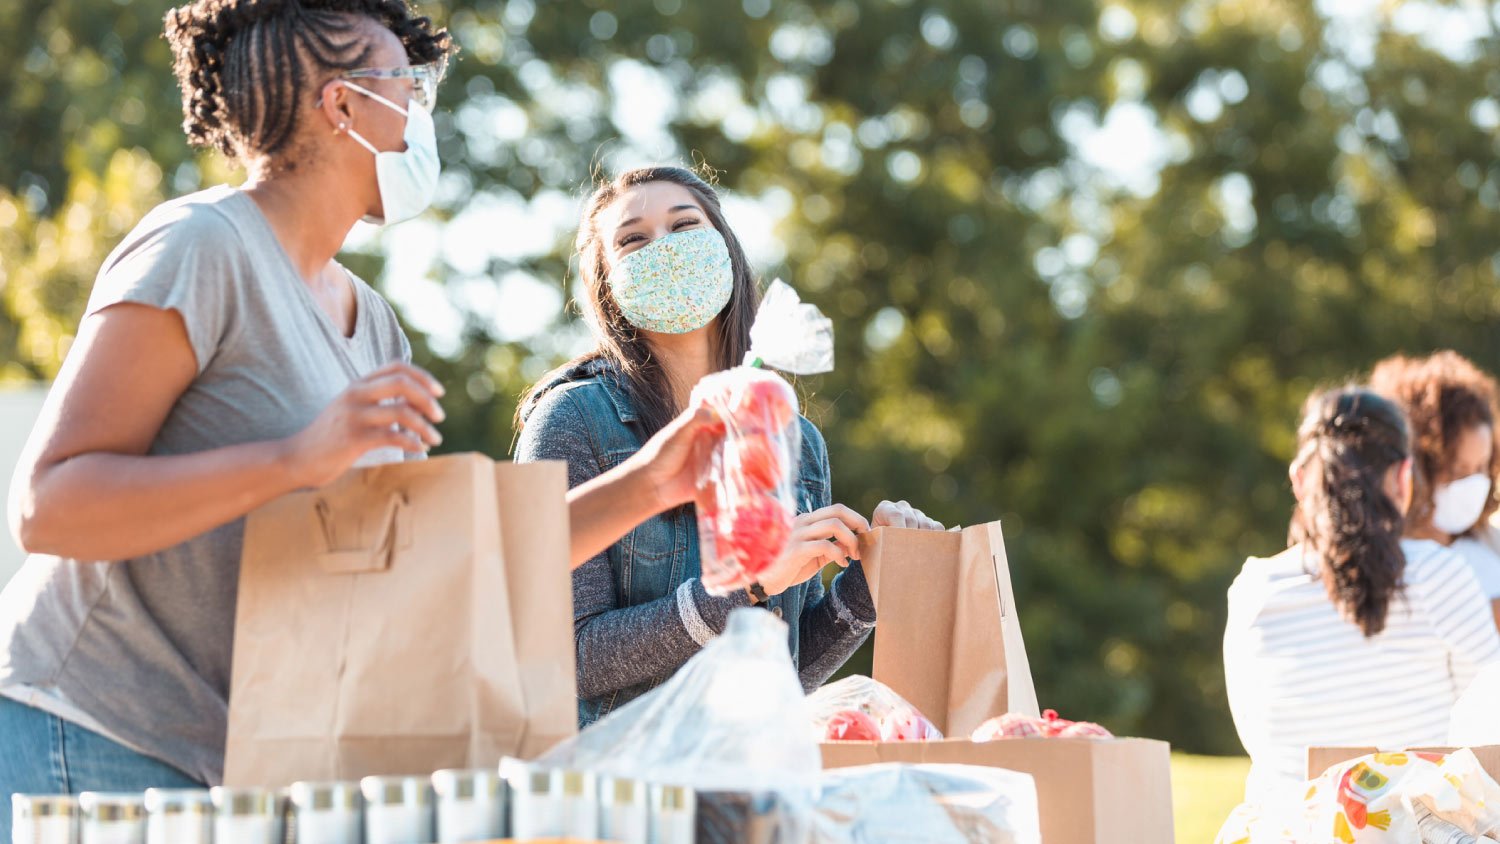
(569, 390)
(1262, 579)
(1428, 560)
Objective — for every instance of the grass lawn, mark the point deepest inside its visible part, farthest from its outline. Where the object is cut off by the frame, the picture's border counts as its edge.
(1204, 790)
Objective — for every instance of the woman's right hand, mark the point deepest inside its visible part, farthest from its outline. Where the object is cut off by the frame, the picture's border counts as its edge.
(395, 406)
(827, 535)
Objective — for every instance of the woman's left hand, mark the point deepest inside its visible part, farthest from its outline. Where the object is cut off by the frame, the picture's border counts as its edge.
(900, 514)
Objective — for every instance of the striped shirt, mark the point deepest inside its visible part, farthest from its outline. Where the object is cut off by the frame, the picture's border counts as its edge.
(1299, 674)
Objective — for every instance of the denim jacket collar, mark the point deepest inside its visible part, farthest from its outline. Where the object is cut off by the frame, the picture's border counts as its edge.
(605, 372)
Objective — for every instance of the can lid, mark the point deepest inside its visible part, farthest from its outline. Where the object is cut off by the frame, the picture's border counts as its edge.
(396, 791)
(238, 802)
(466, 785)
(324, 796)
(620, 790)
(176, 801)
(576, 783)
(112, 806)
(43, 805)
(676, 798)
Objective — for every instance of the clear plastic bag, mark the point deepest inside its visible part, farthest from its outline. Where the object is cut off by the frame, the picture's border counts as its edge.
(746, 495)
(932, 804)
(861, 709)
(729, 724)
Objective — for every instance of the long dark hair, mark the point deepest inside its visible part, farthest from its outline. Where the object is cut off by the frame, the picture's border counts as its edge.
(624, 345)
(1349, 439)
(245, 65)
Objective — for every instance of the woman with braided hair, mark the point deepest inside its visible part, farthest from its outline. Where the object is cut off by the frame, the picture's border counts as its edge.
(225, 358)
(1353, 635)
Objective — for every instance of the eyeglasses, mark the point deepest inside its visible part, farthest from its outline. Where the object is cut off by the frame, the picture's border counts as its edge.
(424, 77)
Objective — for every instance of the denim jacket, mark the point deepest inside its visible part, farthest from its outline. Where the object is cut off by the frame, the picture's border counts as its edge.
(640, 611)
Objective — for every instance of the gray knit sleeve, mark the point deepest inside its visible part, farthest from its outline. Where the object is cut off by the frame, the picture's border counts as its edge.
(617, 647)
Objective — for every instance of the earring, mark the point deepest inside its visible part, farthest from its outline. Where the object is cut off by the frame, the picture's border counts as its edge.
(340, 130)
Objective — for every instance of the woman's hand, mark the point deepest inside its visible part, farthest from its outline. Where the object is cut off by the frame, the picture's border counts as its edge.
(900, 514)
(669, 464)
(395, 406)
(829, 535)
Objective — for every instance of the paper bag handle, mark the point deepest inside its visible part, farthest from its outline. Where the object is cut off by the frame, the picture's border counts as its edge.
(393, 531)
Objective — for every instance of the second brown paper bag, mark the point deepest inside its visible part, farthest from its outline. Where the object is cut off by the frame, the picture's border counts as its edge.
(948, 638)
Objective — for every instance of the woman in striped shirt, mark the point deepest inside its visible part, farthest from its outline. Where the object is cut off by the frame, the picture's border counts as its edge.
(1353, 635)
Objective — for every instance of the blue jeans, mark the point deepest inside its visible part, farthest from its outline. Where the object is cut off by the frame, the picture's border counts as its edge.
(43, 754)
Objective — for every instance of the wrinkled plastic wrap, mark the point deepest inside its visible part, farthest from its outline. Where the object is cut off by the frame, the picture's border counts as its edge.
(731, 725)
(746, 497)
(1384, 798)
(861, 709)
(789, 335)
(1050, 725)
(932, 804)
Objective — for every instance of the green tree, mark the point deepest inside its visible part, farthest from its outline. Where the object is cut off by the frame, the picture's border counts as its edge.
(1108, 359)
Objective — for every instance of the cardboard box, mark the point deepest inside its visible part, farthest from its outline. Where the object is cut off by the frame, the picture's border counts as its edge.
(1320, 759)
(1089, 791)
(949, 641)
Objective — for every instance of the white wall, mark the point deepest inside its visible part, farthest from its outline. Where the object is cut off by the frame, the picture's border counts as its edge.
(18, 412)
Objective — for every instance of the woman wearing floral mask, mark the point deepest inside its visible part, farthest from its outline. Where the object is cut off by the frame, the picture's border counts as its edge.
(1452, 408)
(226, 358)
(670, 298)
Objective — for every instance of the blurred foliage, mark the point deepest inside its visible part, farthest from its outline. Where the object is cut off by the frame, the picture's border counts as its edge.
(1102, 339)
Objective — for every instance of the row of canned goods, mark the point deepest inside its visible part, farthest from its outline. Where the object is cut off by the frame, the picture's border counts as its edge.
(522, 802)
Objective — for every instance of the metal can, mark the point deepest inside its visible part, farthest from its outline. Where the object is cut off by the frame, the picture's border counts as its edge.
(325, 813)
(536, 807)
(108, 818)
(580, 802)
(624, 811)
(398, 810)
(470, 806)
(247, 816)
(673, 811)
(179, 816)
(43, 819)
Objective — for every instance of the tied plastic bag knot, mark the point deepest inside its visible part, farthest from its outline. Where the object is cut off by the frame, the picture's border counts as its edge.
(789, 335)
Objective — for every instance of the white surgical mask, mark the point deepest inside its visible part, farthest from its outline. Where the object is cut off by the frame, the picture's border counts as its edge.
(1457, 506)
(407, 179)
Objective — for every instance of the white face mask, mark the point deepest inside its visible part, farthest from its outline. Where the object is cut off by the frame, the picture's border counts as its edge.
(1457, 506)
(407, 179)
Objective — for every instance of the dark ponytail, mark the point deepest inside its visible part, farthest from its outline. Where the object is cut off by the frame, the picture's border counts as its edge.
(1349, 440)
(246, 65)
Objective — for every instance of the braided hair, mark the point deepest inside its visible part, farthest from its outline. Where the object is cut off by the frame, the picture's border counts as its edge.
(245, 65)
(1349, 440)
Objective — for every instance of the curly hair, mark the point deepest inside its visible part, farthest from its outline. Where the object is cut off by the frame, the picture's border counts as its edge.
(1443, 395)
(1348, 440)
(245, 65)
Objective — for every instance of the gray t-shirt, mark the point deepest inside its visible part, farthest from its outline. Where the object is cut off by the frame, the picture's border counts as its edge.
(142, 646)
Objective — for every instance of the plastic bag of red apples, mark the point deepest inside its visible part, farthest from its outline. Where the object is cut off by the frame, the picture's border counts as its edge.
(746, 496)
(862, 709)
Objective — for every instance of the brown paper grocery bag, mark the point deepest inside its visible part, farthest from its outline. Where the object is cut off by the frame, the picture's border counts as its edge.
(405, 619)
(948, 638)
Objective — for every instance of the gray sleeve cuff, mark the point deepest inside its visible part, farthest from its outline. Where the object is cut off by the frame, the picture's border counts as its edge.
(850, 597)
(703, 615)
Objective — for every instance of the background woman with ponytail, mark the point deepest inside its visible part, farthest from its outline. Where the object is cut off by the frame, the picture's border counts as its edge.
(1353, 635)
(225, 359)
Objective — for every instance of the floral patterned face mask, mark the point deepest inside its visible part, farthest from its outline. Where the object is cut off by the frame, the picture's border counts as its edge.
(676, 283)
